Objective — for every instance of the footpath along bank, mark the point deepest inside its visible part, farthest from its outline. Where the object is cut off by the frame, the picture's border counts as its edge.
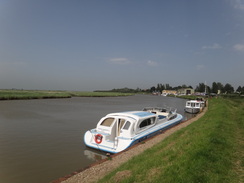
(100, 169)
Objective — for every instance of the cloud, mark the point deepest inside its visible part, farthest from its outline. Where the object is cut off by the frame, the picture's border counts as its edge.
(239, 47)
(239, 4)
(120, 61)
(152, 63)
(200, 67)
(212, 47)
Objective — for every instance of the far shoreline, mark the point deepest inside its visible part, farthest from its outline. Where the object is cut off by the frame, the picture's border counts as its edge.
(49, 94)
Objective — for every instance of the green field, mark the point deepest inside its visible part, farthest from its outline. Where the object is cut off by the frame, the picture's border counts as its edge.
(209, 150)
(43, 94)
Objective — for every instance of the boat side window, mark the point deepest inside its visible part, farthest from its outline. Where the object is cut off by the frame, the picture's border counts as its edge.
(107, 122)
(147, 122)
(126, 126)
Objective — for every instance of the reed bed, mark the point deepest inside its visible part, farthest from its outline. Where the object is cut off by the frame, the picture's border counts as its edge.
(44, 94)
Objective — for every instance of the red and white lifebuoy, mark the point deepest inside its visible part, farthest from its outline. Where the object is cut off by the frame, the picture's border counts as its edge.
(98, 138)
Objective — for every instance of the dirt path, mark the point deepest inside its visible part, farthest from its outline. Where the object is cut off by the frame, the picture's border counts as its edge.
(97, 171)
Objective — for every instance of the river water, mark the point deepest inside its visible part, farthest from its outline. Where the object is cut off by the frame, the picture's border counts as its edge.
(42, 140)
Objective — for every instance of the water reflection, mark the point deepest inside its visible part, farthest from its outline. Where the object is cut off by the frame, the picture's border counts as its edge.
(188, 116)
(94, 155)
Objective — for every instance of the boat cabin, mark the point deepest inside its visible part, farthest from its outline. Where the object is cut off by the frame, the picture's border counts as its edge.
(194, 104)
(125, 124)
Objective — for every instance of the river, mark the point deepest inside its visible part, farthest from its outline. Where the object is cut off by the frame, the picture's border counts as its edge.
(42, 140)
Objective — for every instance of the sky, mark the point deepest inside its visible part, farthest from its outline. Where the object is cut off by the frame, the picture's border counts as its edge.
(88, 45)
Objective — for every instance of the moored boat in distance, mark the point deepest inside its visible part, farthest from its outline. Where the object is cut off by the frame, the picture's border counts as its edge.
(194, 106)
(118, 131)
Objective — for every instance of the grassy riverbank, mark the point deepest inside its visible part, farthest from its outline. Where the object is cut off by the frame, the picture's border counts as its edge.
(209, 150)
(42, 94)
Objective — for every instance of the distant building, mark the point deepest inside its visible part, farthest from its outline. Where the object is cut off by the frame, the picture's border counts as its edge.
(169, 92)
(186, 91)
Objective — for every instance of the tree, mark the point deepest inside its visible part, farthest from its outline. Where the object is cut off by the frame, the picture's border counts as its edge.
(200, 87)
(168, 87)
(238, 90)
(177, 87)
(160, 87)
(208, 89)
(184, 86)
(215, 88)
(228, 88)
(163, 88)
(153, 89)
(220, 87)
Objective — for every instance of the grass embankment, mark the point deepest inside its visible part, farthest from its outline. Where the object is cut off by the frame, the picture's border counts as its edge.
(42, 94)
(209, 150)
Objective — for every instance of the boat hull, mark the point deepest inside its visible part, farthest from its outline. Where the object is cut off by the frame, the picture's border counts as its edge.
(192, 110)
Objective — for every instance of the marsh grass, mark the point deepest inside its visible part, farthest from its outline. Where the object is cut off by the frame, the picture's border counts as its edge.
(209, 150)
(31, 94)
(42, 94)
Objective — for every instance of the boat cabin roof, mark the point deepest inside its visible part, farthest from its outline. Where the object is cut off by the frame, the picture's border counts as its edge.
(137, 115)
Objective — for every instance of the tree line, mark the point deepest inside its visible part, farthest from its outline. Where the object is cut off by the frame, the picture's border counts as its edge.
(216, 88)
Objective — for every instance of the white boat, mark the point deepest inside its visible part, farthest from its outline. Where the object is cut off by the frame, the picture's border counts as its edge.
(117, 131)
(194, 106)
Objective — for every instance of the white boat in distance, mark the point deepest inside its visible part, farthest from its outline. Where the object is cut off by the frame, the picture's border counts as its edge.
(117, 131)
(194, 106)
